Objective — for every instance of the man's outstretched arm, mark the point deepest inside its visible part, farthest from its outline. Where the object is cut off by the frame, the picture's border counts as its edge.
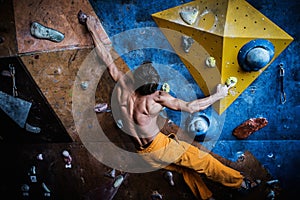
(197, 105)
(102, 43)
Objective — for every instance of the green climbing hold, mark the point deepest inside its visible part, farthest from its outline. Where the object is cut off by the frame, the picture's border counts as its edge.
(42, 32)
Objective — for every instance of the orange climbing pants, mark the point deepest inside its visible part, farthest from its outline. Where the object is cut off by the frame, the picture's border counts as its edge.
(169, 153)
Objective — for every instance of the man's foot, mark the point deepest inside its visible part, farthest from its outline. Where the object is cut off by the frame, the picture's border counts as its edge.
(247, 185)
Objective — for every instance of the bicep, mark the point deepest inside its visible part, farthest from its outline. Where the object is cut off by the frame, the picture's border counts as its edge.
(166, 100)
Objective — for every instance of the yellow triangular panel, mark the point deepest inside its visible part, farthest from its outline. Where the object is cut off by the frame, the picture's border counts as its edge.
(243, 20)
(221, 29)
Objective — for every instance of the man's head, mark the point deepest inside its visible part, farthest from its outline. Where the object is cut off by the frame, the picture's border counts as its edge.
(146, 79)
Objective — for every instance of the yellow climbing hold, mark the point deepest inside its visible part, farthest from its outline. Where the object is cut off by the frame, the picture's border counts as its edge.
(231, 81)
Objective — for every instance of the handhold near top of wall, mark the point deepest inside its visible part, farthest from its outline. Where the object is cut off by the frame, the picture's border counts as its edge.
(42, 32)
(189, 15)
(255, 55)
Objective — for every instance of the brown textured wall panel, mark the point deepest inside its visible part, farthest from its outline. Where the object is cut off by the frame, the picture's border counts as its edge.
(60, 15)
(54, 74)
(53, 66)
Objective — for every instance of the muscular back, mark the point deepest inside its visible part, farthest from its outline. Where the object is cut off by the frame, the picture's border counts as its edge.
(138, 113)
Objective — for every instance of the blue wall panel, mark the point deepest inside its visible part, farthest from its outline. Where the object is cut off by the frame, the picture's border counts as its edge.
(280, 137)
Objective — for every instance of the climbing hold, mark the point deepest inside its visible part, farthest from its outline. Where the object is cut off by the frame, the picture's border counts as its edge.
(255, 55)
(32, 129)
(186, 43)
(42, 32)
(40, 156)
(249, 126)
(272, 182)
(271, 195)
(231, 81)
(118, 181)
(189, 15)
(119, 123)
(32, 174)
(25, 189)
(156, 196)
(169, 177)
(67, 159)
(44, 186)
(101, 107)
(84, 85)
(210, 62)
(166, 87)
(240, 156)
(111, 173)
(198, 125)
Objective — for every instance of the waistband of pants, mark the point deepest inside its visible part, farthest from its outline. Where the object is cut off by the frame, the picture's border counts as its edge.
(148, 147)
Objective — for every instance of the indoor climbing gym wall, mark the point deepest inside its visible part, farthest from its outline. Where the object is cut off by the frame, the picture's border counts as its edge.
(250, 45)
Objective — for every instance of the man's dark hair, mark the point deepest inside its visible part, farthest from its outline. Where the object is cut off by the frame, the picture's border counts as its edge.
(146, 79)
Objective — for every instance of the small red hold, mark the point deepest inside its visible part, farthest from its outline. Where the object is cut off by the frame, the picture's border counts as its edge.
(249, 126)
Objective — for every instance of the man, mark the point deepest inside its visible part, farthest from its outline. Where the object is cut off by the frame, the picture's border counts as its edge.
(138, 102)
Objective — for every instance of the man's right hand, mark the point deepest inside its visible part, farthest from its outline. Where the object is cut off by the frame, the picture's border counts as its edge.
(222, 90)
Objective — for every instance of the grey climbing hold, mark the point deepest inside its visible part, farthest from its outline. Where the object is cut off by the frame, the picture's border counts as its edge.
(169, 177)
(118, 181)
(42, 32)
(32, 129)
(84, 85)
(189, 15)
(111, 174)
(155, 195)
(187, 43)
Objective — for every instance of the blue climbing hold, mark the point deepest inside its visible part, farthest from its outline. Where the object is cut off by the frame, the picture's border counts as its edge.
(255, 55)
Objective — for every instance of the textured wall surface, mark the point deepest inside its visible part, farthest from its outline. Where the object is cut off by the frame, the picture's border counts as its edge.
(277, 146)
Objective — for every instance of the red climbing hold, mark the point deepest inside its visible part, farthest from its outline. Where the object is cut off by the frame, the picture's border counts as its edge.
(249, 126)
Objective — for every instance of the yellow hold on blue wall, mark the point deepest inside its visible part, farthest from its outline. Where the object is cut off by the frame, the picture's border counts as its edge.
(230, 39)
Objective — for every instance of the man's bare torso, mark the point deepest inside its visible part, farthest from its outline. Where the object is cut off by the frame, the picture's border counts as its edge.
(138, 113)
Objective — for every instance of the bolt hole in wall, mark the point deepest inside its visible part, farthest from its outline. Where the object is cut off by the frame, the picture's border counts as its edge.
(135, 37)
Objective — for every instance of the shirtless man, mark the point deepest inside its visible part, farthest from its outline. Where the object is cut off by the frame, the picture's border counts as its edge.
(138, 103)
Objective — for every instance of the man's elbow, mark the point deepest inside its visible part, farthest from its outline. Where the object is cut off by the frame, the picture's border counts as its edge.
(190, 108)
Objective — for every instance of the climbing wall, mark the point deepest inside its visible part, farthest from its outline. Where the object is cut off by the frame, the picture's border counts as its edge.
(221, 30)
(53, 65)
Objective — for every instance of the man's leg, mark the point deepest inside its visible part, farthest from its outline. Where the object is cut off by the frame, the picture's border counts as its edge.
(164, 150)
(203, 162)
(167, 150)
